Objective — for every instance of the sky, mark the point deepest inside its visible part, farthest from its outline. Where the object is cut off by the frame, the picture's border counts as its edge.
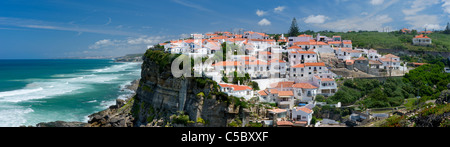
(43, 29)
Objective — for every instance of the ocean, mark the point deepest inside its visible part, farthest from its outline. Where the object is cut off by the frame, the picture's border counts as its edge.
(34, 91)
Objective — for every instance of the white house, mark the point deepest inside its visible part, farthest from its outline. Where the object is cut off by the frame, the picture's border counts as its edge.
(302, 114)
(300, 57)
(228, 66)
(300, 38)
(237, 90)
(255, 35)
(390, 61)
(422, 40)
(305, 92)
(326, 86)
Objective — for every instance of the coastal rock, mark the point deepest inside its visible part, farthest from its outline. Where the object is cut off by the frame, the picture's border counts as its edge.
(62, 124)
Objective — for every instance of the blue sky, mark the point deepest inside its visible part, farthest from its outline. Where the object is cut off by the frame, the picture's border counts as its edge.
(78, 28)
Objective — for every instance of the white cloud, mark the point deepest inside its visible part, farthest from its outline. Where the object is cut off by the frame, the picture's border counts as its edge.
(368, 23)
(120, 47)
(260, 13)
(421, 21)
(264, 22)
(446, 6)
(376, 2)
(433, 27)
(316, 19)
(418, 6)
(279, 9)
(130, 42)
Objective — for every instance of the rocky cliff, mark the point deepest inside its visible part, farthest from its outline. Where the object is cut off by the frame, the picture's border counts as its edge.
(161, 96)
(163, 100)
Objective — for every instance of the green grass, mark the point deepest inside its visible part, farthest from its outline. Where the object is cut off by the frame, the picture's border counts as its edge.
(392, 40)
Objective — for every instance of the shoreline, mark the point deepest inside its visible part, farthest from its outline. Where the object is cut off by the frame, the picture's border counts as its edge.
(132, 86)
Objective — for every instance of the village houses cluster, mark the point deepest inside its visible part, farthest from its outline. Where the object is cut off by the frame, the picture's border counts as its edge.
(294, 61)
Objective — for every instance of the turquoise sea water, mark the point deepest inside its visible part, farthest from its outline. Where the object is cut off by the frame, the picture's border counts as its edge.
(34, 91)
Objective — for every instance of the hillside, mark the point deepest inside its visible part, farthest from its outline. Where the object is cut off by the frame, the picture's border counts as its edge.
(391, 40)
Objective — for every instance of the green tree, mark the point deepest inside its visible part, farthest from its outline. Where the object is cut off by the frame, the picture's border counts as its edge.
(447, 29)
(276, 37)
(294, 30)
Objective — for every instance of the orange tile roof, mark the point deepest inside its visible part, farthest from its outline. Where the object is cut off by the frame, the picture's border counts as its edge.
(315, 64)
(304, 86)
(273, 91)
(419, 64)
(218, 38)
(257, 62)
(347, 42)
(302, 43)
(391, 56)
(284, 123)
(304, 35)
(304, 109)
(228, 63)
(388, 60)
(262, 93)
(350, 62)
(236, 87)
(295, 47)
(334, 42)
(299, 66)
(321, 43)
(421, 36)
(361, 58)
(327, 80)
(284, 84)
(277, 110)
(285, 93)
(375, 62)
(306, 52)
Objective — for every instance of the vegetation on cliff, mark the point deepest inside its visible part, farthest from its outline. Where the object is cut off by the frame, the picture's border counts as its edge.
(391, 40)
(426, 81)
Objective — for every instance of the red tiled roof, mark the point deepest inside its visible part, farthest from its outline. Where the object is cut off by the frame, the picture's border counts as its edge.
(304, 109)
(295, 47)
(361, 58)
(350, 62)
(304, 86)
(262, 93)
(375, 62)
(421, 36)
(284, 84)
(257, 62)
(315, 64)
(277, 110)
(327, 80)
(285, 93)
(419, 64)
(228, 63)
(236, 87)
(299, 66)
(391, 56)
(284, 123)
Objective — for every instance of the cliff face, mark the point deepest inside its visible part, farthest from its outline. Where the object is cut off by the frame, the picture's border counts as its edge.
(160, 96)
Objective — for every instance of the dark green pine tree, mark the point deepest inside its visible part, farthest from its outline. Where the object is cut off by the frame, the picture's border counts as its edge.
(294, 31)
(447, 29)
